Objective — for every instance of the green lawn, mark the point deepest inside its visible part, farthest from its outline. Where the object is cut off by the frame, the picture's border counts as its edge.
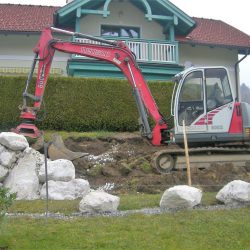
(182, 230)
(222, 229)
(127, 202)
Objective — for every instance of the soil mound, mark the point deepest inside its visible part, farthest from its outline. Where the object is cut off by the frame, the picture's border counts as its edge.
(124, 160)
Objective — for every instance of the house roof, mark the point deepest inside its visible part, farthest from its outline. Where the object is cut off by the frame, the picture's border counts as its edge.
(33, 18)
(216, 33)
(162, 11)
(25, 18)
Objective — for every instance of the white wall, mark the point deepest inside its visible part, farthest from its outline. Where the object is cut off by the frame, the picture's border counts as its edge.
(17, 51)
(122, 14)
(207, 56)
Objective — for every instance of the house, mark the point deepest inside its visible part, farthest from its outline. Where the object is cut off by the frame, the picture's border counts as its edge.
(163, 37)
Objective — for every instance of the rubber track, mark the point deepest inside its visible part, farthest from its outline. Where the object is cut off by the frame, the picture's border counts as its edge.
(197, 150)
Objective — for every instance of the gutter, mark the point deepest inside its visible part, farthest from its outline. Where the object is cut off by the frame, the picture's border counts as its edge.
(236, 74)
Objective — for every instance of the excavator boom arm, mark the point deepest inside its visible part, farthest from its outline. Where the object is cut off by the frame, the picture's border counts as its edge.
(116, 53)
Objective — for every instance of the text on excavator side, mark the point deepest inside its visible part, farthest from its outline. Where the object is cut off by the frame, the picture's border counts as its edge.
(95, 52)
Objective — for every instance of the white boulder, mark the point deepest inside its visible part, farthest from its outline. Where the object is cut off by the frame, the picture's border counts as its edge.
(3, 173)
(181, 196)
(23, 179)
(234, 192)
(38, 156)
(99, 201)
(7, 158)
(2, 148)
(13, 141)
(59, 190)
(58, 170)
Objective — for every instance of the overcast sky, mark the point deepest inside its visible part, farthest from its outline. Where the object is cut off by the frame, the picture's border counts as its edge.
(231, 12)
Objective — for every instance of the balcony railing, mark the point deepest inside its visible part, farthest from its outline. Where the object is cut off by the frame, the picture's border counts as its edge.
(147, 51)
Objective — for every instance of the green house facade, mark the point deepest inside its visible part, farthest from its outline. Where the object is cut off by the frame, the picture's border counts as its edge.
(147, 27)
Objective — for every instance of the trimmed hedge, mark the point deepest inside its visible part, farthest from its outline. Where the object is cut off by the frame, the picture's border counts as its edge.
(81, 104)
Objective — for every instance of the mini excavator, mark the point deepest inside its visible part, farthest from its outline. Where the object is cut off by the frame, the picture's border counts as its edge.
(216, 122)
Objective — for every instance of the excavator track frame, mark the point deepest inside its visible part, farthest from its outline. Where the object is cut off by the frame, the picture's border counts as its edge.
(166, 160)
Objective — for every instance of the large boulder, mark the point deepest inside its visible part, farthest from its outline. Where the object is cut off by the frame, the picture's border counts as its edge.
(3, 173)
(60, 190)
(182, 196)
(7, 158)
(234, 192)
(13, 141)
(2, 148)
(23, 179)
(99, 201)
(58, 170)
(38, 156)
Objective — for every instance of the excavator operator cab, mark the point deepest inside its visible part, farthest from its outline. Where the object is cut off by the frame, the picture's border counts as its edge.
(204, 100)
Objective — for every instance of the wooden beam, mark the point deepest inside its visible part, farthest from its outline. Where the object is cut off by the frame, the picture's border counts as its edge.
(171, 33)
(176, 21)
(148, 8)
(160, 17)
(78, 12)
(96, 12)
(106, 5)
(77, 25)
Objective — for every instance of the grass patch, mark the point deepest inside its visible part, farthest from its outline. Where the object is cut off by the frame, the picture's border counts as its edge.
(138, 201)
(209, 199)
(97, 134)
(38, 206)
(127, 202)
(227, 229)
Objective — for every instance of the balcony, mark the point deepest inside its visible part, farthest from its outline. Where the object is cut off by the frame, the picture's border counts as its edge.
(146, 51)
(158, 60)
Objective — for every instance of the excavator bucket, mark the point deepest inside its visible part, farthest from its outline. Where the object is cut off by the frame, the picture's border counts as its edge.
(58, 150)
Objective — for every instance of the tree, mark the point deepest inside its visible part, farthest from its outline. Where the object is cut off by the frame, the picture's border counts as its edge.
(245, 93)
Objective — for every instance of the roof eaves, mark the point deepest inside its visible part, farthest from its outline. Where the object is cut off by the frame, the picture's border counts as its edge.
(179, 13)
(19, 32)
(71, 7)
(244, 48)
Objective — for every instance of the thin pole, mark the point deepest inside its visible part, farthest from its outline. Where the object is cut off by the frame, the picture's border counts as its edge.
(187, 154)
(46, 178)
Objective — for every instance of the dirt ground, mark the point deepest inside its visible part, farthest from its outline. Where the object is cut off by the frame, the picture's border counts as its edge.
(124, 163)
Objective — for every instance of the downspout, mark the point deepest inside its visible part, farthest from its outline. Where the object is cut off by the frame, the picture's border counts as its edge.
(236, 75)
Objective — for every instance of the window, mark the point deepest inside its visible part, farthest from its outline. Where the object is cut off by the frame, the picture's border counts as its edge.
(191, 104)
(192, 88)
(120, 31)
(217, 88)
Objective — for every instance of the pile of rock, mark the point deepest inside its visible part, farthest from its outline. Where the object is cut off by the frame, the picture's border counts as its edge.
(236, 192)
(22, 171)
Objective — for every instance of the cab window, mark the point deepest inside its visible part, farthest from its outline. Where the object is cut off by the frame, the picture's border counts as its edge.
(218, 89)
(191, 103)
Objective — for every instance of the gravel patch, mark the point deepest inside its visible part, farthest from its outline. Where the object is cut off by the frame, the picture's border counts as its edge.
(144, 211)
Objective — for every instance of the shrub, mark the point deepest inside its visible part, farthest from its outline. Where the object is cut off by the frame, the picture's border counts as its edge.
(6, 200)
(81, 104)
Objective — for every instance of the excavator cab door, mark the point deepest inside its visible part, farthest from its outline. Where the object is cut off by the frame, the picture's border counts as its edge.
(189, 102)
(205, 102)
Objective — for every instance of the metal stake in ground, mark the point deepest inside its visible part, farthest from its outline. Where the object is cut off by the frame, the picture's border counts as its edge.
(186, 154)
(46, 177)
